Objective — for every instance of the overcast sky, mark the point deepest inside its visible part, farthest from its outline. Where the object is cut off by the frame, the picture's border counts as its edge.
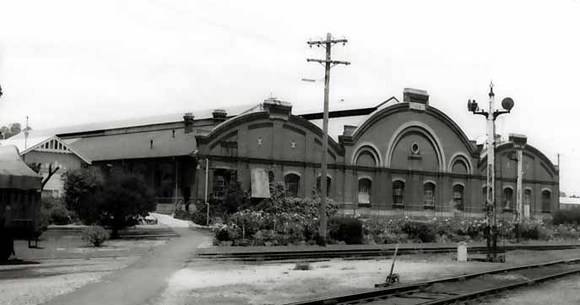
(72, 62)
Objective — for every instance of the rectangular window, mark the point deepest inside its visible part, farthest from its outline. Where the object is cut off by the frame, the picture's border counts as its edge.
(364, 191)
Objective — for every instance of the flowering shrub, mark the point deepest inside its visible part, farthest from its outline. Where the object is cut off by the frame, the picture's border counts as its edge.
(440, 229)
(280, 220)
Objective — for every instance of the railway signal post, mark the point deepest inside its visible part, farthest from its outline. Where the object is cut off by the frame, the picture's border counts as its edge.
(491, 115)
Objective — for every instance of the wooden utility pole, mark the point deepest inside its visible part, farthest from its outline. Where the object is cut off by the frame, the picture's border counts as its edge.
(327, 63)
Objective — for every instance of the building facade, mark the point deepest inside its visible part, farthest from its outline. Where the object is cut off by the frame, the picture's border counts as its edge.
(399, 158)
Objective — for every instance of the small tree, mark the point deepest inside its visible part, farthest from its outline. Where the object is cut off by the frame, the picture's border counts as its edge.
(80, 187)
(122, 200)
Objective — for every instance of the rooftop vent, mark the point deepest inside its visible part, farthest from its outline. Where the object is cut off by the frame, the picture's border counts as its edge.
(188, 120)
(417, 98)
(278, 109)
(219, 115)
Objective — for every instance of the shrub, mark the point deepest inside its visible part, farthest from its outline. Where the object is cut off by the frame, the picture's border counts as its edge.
(53, 211)
(347, 229)
(421, 231)
(80, 187)
(182, 214)
(566, 231)
(227, 232)
(95, 235)
(571, 216)
(199, 215)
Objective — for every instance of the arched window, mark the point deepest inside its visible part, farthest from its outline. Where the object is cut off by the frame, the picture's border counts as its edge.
(364, 191)
(546, 201)
(528, 199)
(328, 182)
(458, 197)
(398, 190)
(429, 195)
(508, 198)
(459, 167)
(292, 184)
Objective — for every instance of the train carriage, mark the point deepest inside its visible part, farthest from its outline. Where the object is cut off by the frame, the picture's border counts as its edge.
(19, 200)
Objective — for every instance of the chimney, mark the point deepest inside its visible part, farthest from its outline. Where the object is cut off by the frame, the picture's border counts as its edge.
(188, 120)
(277, 109)
(519, 140)
(348, 130)
(219, 115)
(418, 99)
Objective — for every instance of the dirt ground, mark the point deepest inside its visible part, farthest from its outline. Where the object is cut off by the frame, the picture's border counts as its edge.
(64, 263)
(207, 282)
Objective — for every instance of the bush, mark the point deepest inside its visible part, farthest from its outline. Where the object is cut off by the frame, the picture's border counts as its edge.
(182, 214)
(279, 220)
(118, 202)
(420, 231)
(95, 235)
(53, 211)
(80, 187)
(227, 233)
(347, 229)
(571, 216)
(199, 215)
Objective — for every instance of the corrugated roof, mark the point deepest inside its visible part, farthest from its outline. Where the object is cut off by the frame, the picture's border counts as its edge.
(570, 200)
(22, 144)
(14, 173)
(149, 144)
(36, 139)
(148, 120)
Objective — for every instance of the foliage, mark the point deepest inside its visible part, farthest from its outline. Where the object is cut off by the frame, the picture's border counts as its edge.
(95, 235)
(571, 216)
(199, 214)
(227, 232)
(122, 200)
(10, 130)
(116, 203)
(347, 229)
(182, 214)
(279, 220)
(53, 211)
(566, 232)
(235, 199)
(81, 187)
(420, 231)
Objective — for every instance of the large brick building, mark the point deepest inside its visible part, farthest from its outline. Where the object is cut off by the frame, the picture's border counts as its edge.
(401, 157)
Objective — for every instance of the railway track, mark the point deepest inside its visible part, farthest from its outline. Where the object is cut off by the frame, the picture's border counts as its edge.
(458, 289)
(274, 254)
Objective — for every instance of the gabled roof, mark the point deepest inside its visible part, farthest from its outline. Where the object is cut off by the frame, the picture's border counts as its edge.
(136, 145)
(46, 143)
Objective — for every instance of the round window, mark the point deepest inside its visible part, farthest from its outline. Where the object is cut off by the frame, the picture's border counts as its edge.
(415, 148)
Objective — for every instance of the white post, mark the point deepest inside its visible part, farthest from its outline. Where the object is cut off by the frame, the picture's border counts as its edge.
(520, 193)
(490, 198)
(206, 186)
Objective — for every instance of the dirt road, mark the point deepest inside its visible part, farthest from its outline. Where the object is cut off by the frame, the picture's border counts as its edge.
(142, 282)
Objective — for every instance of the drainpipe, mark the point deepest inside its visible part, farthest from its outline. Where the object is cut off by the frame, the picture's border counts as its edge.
(176, 203)
(206, 181)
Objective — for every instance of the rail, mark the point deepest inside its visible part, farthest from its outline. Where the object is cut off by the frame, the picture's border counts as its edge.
(457, 288)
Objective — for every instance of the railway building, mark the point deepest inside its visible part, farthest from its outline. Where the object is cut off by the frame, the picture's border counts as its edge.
(399, 157)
